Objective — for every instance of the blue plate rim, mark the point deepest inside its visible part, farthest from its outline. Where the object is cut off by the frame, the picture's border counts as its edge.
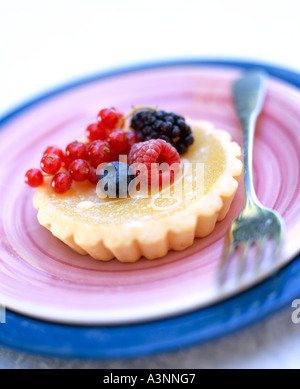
(120, 341)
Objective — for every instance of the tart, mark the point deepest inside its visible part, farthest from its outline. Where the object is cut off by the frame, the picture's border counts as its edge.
(132, 227)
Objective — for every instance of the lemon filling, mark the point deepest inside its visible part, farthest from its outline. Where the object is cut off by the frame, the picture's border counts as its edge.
(204, 161)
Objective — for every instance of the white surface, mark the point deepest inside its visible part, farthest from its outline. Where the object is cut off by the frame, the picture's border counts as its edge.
(47, 43)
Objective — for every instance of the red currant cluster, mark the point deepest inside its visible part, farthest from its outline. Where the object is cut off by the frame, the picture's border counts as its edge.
(79, 161)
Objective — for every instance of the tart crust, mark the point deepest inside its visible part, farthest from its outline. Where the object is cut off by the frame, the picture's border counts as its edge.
(153, 237)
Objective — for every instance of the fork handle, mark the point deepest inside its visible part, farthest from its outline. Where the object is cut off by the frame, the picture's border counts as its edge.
(249, 94)
(248, 125)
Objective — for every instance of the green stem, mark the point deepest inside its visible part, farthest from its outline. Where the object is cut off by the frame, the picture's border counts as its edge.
(131, 113)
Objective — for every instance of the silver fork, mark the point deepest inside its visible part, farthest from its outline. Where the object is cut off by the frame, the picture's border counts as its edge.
(256, 225)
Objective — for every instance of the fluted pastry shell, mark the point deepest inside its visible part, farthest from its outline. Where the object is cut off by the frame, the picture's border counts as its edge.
(130, 228)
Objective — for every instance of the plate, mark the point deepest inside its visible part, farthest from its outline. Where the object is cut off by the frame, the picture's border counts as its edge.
(42, 278)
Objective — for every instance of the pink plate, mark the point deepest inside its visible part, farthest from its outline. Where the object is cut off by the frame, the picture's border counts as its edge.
(41, 277)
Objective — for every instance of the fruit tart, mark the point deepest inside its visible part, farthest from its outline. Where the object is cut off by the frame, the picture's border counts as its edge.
(137, 185)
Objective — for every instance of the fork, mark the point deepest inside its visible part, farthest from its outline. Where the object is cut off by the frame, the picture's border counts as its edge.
(256, 225)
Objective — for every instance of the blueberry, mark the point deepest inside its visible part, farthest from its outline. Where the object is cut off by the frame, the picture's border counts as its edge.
(116, 179)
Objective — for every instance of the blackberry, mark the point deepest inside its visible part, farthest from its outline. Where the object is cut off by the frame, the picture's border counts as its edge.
(150, 124)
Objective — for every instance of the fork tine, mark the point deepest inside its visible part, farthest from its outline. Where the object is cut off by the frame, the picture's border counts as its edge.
(260, 249)
(227, 256)
(276, 247)
(244, 249)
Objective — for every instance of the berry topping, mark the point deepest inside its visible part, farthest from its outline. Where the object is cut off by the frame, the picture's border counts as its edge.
(132, 138)
(34, 177)
(61, 182)
(98, 152)
(117, 141)
(152, 124)
(55, 150)
(115, 179)
(76, 150)
(93, 176)
(50, 163)
(109, 118)
(79, 170)
(95, 131)
(161, 160)
(149, 143)
(114, 157)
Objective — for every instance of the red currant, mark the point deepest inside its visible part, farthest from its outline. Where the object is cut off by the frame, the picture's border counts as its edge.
(34, 177)
(117, 141)
(76, 150)
(55, 150)
(79, 170)
(96, 131)
(114, 157)
(50, 163)
(109, 117)
(67, 162)
(93, 176)
(132, 138)
(61, 182)
(98, 152)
